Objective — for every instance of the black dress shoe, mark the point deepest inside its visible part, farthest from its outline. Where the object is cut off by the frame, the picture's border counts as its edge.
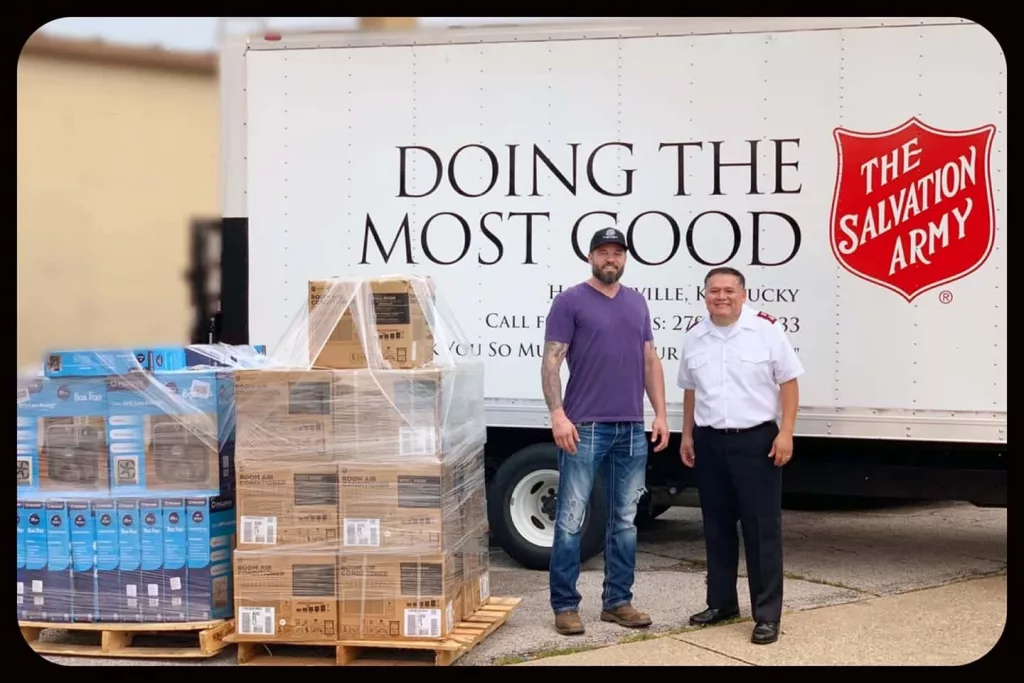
(713, 616)
(765, 632)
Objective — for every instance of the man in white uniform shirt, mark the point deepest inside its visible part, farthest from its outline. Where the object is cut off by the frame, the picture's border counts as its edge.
(738, 373)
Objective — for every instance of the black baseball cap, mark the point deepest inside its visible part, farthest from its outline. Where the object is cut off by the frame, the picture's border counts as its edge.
(608, 236)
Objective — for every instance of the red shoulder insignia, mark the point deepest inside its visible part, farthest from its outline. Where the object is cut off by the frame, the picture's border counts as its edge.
(762, 314)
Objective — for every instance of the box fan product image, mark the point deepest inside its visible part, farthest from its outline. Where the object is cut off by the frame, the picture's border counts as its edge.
(164, 431)
(62, 436)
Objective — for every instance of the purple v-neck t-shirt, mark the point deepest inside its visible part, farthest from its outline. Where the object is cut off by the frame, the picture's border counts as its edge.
(606, 338)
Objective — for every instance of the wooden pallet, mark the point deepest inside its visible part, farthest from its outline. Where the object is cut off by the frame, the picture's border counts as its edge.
(203, 639)
(466, 635)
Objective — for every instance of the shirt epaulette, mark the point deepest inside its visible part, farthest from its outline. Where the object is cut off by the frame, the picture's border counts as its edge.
(762, 314)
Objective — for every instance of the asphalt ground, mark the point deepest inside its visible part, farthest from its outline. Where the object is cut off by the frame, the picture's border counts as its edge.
(832, 556)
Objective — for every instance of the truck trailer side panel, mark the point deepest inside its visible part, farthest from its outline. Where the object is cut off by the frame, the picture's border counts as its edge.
(856, 173)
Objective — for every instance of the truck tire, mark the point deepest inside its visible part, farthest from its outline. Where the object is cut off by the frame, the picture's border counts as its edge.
(521, 508)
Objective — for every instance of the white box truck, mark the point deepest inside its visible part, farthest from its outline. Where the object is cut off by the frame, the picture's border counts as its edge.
(853, 169)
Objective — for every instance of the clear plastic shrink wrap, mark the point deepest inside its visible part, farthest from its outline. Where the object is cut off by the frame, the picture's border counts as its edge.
(360, 471)
(126, 484)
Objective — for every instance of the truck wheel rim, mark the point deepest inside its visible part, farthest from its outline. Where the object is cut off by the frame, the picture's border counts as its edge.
(532, 507)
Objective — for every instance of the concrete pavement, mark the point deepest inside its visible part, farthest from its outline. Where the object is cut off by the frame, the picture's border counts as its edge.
(832, 556)
(946, 626)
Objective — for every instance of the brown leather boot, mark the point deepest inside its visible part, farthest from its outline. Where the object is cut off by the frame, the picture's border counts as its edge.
(568, 623)
(628, 616)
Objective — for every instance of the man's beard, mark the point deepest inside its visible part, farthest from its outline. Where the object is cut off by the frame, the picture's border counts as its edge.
(608, 278)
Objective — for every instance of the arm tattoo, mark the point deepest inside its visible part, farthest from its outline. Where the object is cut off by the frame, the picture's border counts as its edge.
(550, 375)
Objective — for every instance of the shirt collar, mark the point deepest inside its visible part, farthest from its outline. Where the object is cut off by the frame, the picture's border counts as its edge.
(746, 321)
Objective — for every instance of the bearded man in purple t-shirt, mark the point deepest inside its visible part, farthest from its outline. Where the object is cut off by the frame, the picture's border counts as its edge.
(603, 331)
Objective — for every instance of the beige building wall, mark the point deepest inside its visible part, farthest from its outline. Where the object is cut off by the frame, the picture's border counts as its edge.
(118, 148)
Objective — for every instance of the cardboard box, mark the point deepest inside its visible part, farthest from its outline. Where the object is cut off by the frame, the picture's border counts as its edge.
(58, 562)
(225, 402)
(151, 559)
(340, 313)
(283, 415)
(423, 414)
(104, 362)
(476, 590)
(364, 415)
(285, 504)
(174, 579)
(62, 436)
(398, 597)
(20, 577)
(211, 540)
(100, 363)
(108, 560)
(171, 364)
(83, 561)
(472, 487)
(388, 507)
(226, 431)
(475, 584)
(129, 545)
(163, 432)
(35, 560)
(284, 596)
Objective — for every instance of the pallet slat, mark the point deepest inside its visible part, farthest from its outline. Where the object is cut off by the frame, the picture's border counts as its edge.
(116, 640)
(466, 635)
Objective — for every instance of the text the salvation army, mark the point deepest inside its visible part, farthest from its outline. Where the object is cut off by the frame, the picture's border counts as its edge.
(938, 190)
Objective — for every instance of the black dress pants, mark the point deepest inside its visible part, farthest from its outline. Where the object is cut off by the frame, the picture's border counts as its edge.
(738, 482)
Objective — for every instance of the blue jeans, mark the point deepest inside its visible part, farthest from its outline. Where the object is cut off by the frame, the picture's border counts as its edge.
(619, 451)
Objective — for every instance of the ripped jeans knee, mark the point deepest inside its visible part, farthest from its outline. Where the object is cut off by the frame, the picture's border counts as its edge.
(571, 513)
(625, 514)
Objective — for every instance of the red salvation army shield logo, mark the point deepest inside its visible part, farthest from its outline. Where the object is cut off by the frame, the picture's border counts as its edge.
(913, 206)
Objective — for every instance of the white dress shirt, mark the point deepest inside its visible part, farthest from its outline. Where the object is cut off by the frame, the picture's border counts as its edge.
(735, 372)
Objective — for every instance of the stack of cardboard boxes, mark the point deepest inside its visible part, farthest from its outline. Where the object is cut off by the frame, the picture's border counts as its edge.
(360, 480)
(125, 486)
